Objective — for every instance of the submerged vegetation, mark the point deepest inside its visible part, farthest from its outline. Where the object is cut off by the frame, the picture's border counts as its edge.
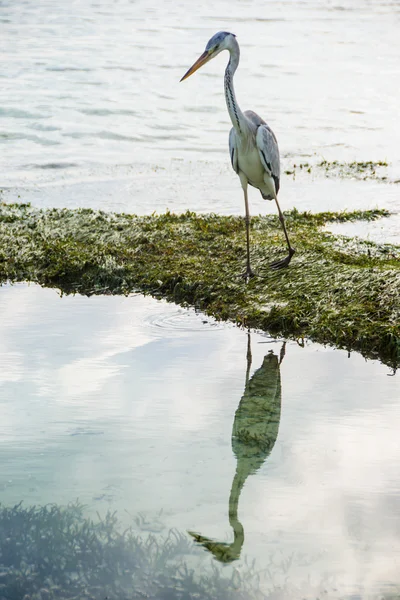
(56, 553)
(337, 290)
(53, 552)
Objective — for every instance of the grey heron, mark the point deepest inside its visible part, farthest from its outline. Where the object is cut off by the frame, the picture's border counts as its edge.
(253, 146)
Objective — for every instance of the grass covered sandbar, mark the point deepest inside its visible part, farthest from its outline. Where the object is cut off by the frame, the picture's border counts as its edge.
(337, 290)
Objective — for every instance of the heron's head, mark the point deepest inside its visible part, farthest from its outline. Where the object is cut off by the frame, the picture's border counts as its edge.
(220, 41)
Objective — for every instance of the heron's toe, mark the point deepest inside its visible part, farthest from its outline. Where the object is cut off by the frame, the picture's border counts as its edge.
(280, 264)
(247, 275)
(284, 262)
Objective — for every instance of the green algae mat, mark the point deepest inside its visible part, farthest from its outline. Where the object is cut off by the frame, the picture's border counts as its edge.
(337, 290)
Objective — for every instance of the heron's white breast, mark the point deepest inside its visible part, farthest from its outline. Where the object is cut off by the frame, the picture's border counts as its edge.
(250, 164)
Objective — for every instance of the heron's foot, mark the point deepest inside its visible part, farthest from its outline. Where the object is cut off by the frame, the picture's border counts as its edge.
(284, 262)
(248, 274)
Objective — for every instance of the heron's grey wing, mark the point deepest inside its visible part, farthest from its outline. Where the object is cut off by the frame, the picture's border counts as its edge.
(269, 153)
(233, 150)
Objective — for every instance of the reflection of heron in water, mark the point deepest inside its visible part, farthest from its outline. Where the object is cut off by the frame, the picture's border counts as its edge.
(254, 434)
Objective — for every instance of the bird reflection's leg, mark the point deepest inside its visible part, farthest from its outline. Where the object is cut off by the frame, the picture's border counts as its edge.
(279, 264)
(248, 274)
(249, 358)
(283, 352)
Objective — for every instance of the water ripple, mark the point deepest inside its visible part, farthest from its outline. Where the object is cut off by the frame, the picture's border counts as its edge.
(180, 320)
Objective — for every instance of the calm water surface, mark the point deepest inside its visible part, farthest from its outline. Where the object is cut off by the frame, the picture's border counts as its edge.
(92, 112)
(129, 404)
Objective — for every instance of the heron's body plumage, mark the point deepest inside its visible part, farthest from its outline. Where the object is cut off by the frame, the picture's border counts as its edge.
(256, 157)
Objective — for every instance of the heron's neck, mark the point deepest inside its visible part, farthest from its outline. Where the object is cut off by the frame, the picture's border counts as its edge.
(237, 117)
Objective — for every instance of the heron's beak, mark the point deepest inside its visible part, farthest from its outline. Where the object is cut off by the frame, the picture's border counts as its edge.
(205, 57)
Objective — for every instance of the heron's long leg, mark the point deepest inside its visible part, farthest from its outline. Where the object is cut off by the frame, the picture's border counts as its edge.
(246, 204)
(248, 272)
(284, 261)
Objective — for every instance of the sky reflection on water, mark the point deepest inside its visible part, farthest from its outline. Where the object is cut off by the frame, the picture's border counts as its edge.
(129, 404)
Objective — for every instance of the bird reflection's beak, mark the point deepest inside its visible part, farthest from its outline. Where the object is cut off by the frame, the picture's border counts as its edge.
(205, 57)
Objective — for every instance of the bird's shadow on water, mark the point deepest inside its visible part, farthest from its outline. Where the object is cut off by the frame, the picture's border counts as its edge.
(254, 433)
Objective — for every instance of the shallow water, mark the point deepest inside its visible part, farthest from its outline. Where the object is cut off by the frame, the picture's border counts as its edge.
(92, 112)
(129, 404)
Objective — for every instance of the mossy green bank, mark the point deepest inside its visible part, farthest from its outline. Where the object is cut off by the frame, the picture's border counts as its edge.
(337, 290)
